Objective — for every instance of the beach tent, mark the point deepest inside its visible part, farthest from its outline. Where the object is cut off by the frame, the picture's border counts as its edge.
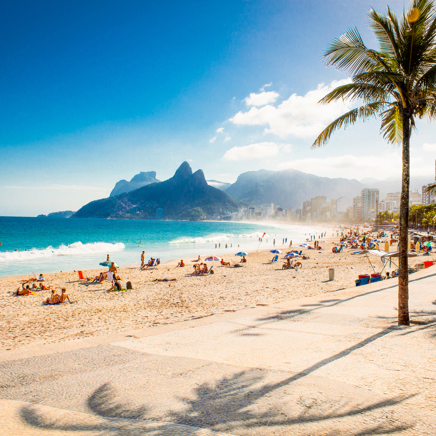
(378, 253)
(289, 255)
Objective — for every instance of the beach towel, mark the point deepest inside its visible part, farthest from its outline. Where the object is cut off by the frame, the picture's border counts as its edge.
(110, 276)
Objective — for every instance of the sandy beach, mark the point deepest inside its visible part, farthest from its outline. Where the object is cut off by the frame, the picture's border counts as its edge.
(26, 321)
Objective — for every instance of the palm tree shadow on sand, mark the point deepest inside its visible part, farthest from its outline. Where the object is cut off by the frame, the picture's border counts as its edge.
(228, 405)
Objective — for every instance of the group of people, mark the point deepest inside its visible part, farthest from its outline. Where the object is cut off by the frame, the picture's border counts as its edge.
(200, 269)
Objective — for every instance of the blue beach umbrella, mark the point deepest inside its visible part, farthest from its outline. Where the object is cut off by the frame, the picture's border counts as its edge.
(289, 255)
(276, 251)
(108, 263)
(241, 254)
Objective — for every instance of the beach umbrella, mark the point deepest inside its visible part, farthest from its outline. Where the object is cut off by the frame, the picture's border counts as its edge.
(108, 263)
(241, 254)
(303, 245)
(289, 255)
(276, 251)
(212, 259)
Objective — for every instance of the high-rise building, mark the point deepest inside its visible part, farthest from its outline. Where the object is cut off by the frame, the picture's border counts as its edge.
(316, 204)
(370, 203)
(357, 208)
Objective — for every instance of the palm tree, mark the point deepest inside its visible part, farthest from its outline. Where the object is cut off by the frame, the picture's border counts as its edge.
(396, 83)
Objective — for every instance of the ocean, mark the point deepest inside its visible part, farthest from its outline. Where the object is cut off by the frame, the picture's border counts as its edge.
(43, 245)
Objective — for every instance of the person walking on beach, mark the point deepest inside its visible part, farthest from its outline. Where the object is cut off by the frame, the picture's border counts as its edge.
(142, 259)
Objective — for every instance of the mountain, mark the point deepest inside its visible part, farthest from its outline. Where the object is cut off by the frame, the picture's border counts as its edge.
(393, 184)
(289, 188)
(138, 181)
(222, 186)
(183, 196)
(64, 214)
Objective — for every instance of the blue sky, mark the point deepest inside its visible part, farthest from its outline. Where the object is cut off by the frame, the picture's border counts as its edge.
(94, 92)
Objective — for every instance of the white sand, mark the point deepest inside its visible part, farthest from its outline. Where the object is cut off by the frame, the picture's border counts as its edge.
(25, 321)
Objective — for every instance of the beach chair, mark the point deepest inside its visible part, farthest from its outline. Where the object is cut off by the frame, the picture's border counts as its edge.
(275, 258)
(81, 276)
(210, 269)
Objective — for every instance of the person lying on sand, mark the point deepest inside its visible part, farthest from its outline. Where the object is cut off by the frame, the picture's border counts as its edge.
(164, 280)
(197, 260)
(224, 263)
(25, 291)
(58, 299)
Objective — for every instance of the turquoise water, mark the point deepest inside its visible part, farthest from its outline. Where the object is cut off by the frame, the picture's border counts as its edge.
(35, 245)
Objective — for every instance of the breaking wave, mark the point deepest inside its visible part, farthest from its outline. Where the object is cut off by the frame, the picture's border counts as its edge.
(63, 250)
(214, 238)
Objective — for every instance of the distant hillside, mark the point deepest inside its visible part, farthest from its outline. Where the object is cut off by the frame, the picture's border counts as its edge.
(222, 186)
(64, 214)
(138, 181)
(393, 184)
(289, 188)
(184, 196)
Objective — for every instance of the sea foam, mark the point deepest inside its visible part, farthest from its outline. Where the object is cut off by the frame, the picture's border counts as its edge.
(213, 238)
(77, 248)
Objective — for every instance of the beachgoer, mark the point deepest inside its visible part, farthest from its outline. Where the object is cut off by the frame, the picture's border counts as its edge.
(64, 296)
(108, 259)
(41, 278)
(164, 280)
(142, 259)
(113, 269)
(25, 291)
(243, 260)
(181, 264)
(224, 263)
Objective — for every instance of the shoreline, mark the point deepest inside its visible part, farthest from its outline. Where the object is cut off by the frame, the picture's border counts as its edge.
(95, 312)
(83, 254)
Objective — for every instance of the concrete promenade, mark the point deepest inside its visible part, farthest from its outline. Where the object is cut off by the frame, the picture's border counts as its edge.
(330, 365)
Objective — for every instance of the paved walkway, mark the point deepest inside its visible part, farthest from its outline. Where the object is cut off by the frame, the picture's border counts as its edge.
(335, 365)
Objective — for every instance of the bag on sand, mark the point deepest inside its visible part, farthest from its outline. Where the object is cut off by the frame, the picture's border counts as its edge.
(212, 271)
(118, 285)
(129, 285)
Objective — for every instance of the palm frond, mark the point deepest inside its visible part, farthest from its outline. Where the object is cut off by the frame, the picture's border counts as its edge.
(383, 28)
(392, 125)
(349, 53)
(362, 112)
(431, 188)
(368, 92)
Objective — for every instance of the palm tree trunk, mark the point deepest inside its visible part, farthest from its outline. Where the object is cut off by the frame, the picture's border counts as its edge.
(403, 278)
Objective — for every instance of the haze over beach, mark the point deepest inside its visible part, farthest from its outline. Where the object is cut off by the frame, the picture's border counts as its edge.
(217, 218)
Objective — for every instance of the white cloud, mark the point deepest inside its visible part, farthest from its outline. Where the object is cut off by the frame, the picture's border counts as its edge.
(429, 147)
(260, 150)
(220, 130)
(227, 138)
(212, 140)
(381, 166)
(261, 99)
(265, 86)
(300, 116)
